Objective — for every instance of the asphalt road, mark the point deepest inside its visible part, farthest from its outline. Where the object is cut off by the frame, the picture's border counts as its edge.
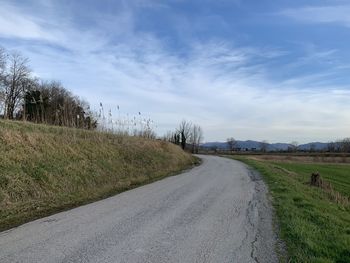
(217, 212)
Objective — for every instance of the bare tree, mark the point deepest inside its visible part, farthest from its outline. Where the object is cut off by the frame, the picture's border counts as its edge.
(184, 131)
(231, 142)
(199, 138)
(193, 137)
(15, 83)
(264, 145)
(168, 137)
(3, 57)
(196, 137)
(331, 146)
(345, 145)
(173, 137)
(2, 101)
(27, 98)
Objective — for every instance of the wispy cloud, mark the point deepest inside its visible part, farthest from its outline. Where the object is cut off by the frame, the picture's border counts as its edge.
(14, 23)
(225, 88)
(336, 14)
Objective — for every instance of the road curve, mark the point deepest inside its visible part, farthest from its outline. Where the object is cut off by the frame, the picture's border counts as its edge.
(217, 212)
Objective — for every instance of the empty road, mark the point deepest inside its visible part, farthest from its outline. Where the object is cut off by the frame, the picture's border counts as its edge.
(216, 212)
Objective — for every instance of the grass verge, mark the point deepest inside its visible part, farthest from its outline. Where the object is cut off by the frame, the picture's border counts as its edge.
(46, 169)
(315, 227)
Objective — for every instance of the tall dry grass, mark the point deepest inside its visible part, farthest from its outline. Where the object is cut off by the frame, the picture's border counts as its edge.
(339, 158)
(44, 169)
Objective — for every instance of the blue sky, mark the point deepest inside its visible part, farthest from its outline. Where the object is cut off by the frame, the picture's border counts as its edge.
(273, 70)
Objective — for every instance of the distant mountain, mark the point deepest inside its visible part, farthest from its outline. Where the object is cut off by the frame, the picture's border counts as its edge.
(278, 147)
(271, 146)
(219, 145)
(313, 145)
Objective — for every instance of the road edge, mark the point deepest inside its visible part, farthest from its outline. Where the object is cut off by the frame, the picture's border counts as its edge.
(268, 221)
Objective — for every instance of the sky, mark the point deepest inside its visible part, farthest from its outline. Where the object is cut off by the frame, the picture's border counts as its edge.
(263, 70)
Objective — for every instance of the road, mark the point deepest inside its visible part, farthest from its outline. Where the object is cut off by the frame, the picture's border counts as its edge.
(216, 212)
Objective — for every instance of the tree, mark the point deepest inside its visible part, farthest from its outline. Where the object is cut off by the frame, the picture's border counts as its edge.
(331, 146)
(27, 98)
(51, 103)
(2, 100)
(16, 82)
(199, 138)
(264, 145)
(3, 57)
(231, 142)
(186, 134)
(196, 137)
(168, 137)
(36, 105)
(176, 138)
(345, 145)
(185, 131)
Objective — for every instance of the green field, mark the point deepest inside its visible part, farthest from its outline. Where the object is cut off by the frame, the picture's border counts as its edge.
(314, 226)
(337, 174)
(46, 169)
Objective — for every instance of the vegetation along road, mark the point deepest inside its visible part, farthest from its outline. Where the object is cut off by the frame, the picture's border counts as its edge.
(217, 212)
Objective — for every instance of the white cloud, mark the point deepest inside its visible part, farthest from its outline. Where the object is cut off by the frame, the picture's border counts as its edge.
(19, 25)
(338, 14)
(217, 85)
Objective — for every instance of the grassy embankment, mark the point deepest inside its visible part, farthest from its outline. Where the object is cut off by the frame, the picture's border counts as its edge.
(314, 222)
(46, 169)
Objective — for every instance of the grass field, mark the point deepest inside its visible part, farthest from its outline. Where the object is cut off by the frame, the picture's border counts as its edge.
(314, 225)
(45, 169)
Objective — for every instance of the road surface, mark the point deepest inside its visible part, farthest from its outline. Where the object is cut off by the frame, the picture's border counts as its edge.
(217, 212)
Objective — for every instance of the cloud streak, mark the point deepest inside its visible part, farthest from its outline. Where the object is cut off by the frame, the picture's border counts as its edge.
(18, 25)
(338, 14)
(225, 88)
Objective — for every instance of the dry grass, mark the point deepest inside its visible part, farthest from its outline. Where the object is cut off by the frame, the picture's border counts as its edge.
(339, 159)
(45, 169)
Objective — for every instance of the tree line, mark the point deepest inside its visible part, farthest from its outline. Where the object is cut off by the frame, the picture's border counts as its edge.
(28, 98)
(189, 136)
(340, 146)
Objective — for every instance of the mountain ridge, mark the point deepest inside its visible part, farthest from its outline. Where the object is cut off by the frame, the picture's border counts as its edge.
(256, 145)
